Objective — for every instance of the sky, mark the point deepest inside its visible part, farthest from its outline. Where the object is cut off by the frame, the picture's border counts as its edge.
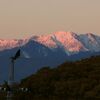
(22, 18)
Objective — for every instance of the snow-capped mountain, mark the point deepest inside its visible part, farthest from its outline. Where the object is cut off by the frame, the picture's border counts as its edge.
(9, 44)
(91, 42)
(68, 41)
(46, 50)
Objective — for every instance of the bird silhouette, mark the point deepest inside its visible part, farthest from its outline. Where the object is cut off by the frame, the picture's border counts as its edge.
(17, 55)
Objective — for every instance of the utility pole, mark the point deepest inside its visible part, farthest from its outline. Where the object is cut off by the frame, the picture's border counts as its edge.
(11, 73)
(11, 80)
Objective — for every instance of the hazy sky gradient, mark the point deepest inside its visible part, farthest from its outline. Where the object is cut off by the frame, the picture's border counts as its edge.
(19, 18)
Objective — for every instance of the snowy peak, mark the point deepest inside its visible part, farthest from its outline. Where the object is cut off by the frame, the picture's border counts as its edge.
(91, 42)
(9, 44)
(91, 37)
(69, 42)
(65, 40)
(45, 40)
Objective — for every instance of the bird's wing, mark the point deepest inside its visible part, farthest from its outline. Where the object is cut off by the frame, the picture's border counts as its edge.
(17, 55)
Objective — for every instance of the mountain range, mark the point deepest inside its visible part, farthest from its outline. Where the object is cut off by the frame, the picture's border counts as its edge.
(46, 50)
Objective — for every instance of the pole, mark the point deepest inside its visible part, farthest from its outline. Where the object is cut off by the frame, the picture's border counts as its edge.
(11, 81)
(11, 74)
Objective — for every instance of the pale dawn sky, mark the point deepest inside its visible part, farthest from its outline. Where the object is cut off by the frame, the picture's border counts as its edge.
(21, 18)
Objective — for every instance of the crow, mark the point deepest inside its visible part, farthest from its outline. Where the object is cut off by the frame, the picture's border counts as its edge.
(17, 55)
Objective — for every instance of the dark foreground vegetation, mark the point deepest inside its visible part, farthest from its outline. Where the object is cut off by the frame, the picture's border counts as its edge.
(70, 81)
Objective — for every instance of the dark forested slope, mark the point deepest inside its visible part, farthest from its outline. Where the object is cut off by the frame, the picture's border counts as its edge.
(70, 81)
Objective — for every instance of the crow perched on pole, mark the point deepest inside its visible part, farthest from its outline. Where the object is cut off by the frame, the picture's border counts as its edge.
(11, 68)
(11, 80)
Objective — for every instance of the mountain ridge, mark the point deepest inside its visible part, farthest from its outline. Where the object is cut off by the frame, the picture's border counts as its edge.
(69, 41)
(47, 50)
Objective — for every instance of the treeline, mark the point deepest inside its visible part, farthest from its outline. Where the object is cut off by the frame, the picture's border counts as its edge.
(70, 81)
